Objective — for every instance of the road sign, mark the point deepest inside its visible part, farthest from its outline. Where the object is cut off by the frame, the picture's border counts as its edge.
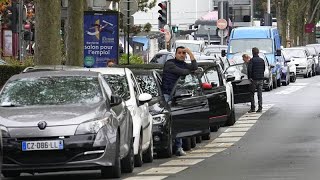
(222, 24)
(223, 33)
(133, 7)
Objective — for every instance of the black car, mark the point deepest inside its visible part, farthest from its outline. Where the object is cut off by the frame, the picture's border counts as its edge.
(64, 120)
(150, 82)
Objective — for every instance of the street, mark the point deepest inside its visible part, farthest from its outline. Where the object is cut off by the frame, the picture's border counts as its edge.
(281, 144)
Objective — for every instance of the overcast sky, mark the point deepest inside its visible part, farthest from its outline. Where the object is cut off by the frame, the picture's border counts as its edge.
(183, 12)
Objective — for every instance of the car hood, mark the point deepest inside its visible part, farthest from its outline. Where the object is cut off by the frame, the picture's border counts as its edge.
(300, 61)
(53, 115)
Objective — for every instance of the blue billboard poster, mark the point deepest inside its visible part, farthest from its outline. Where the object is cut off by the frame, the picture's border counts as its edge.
(101, 38)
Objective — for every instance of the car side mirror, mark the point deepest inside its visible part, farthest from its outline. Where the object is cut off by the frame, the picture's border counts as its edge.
(223, 53)
(231, 78)
(115, 100)
(144, 97)
(272, 66)
(278, 52)
(206, 86)
(196, 26)
(287, 61)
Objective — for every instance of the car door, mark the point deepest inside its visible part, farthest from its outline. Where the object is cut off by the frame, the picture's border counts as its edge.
(189, 107)
(241, 85)
(217, 95)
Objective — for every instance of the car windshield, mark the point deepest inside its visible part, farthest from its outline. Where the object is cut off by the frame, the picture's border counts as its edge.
(192, 47)
(246, 45)
(54, 90)
(295, 53)
(237, 58)
(159, 59)
(148, 84)
(119, 84)
(311, 50)
(214, 50)
(205, 29)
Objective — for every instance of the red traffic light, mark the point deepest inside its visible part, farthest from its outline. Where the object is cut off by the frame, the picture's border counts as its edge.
(163, 5)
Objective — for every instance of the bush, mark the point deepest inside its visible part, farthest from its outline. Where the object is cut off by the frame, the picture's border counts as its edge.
(6, 71)
(134, 59)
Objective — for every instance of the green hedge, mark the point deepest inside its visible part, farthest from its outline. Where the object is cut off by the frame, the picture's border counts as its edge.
(6, 71)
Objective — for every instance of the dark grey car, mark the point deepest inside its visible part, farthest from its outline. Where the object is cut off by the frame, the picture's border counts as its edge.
(60, 120)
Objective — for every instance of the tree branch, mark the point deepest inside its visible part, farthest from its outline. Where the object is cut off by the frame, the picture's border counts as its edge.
(314, 11)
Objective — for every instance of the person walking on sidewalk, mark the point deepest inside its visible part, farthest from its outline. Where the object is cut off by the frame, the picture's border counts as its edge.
(172, 70)
(256, 69)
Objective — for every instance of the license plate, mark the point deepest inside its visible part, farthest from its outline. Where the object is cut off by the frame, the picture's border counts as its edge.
(42, 145)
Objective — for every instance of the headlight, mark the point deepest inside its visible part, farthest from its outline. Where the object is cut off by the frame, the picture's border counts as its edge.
(159, 119)
(91, 127)
(4, 132)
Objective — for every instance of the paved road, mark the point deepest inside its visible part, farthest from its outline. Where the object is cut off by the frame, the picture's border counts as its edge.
(281, 143)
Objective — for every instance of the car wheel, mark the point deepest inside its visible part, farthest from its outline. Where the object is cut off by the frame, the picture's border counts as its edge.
(115, 170)
(293, 78)
(269, 88)
(279, 82)
(186, 144)
(138, 158)
(148, 155)
(231, 118)
(198, 139)
(193, 142)
(214, 128)
(10, 174)
(167, 152)
(274, 82)
(306, 75)
(127, 163)
(206, 136)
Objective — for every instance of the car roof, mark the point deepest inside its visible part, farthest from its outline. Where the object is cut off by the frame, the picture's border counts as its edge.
(110, 70)
(53, 73)
(191, 41)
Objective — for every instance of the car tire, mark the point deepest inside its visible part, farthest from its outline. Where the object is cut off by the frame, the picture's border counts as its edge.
(206, 136)
(306, 75)
(127, 163)
(274, 82)
(231, 118)
(167, 151)
(10, 174)
(138, 158)
(214, 128)
(148, 155)
(269, 88)
(279, 82)
(293, 78)
(193, 142)
(115, 170)
(186, 144)
(199, 139)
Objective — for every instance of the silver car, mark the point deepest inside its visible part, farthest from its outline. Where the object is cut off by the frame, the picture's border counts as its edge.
(60, 120)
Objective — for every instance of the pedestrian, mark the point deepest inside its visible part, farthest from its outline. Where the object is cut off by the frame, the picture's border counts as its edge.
(111, 63)
(172, 70)
(246, 59)
(256, 69)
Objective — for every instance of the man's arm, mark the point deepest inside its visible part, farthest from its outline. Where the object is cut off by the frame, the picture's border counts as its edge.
(194, 65)
(250, 69)
(172, 68)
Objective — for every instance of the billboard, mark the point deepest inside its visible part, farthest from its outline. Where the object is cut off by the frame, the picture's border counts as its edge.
(101, 38)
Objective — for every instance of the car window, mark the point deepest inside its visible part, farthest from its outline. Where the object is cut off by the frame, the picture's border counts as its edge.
(135, 86)
(148, 84)
(119, 84)
(170, 56)
(56, 90)
(159, 59)
(188, 85)
(212, 75)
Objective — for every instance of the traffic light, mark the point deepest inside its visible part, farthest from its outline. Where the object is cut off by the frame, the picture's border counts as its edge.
(175, 29)
(162, 14)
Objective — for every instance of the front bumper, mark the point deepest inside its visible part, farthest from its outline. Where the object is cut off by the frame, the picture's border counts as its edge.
(302, 70)
(78, 153)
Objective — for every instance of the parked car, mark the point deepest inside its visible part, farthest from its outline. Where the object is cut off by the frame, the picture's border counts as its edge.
(214, 49)
(312, 52)
(291, 65)
(317, 48)
(124, 83)
(64, 120)
(237, 59)
(196, 46)
(302, 60)
(285, 69)
(161, 57)
(150, 81)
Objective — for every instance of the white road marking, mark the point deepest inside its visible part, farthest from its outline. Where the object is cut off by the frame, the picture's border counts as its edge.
(209, 150)
(230, 129)
(232, 134)
(182, 162)
(247, 122)
(146, 178)
(247, 118)
(219, 145)
(163, 170)
(199, 155)
(290, 90)
(242, 125)
(227, 139)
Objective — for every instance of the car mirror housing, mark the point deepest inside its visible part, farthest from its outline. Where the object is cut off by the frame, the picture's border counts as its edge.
(144, 97)
(206, 86)
(230, 78)
(115, 100)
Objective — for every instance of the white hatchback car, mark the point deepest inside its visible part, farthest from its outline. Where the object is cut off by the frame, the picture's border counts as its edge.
(124, 84)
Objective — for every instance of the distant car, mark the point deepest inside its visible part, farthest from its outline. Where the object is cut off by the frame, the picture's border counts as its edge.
(317, 48)
(313, 52)
(162, 57)
(124, 83)
(291, 65)
(214, 49)
(64, 120)
(150, 81)
(268, 84)
(195, 46)
(302, 60)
